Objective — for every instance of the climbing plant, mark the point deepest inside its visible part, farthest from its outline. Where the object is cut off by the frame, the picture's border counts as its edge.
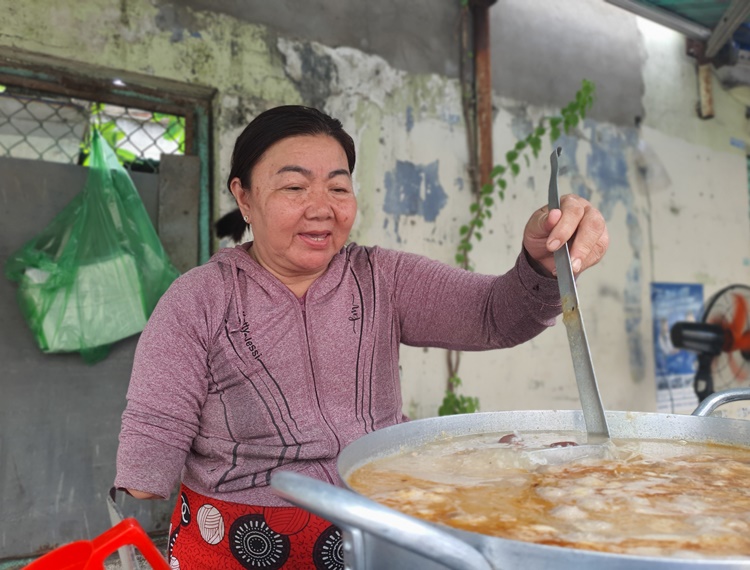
(454, 403)
(486, 199)
(480, 210)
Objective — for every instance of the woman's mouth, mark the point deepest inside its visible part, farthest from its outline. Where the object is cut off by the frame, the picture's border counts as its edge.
(315, 238)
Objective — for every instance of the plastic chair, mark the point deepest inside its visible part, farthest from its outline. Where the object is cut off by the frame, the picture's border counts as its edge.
(91, 554)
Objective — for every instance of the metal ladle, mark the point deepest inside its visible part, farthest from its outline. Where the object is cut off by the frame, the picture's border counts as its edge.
(598, 444)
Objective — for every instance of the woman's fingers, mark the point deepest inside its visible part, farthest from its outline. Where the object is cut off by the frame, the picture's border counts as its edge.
(576, 222)
(584, 228)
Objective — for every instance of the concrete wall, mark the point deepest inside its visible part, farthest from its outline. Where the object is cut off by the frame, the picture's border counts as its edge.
(59, 417)
(674, 189)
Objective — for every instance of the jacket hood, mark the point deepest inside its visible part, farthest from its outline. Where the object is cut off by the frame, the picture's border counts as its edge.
(243, 266)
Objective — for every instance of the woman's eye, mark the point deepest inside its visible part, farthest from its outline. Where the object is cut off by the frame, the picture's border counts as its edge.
(341, 190)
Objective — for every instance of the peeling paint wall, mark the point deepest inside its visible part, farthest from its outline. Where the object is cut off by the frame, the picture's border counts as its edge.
(411, 170)
(673, 189)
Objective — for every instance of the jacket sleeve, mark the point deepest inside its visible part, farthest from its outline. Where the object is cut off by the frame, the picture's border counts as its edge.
(447, 307)
(168, 387)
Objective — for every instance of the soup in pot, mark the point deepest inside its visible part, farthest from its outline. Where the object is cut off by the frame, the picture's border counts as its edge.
(653, 498)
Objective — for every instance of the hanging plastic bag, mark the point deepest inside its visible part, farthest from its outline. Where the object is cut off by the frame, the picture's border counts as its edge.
(94, 274)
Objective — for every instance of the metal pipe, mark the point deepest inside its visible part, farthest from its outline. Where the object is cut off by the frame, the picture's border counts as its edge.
(668, 19)
(483, 80)
(717, 399)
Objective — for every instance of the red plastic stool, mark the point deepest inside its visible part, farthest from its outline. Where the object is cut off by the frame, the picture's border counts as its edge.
(91, 554)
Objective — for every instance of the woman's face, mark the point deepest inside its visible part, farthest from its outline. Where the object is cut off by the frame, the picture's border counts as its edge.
(301, 205)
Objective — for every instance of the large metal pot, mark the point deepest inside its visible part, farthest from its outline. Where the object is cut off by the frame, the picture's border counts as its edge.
(377, 537)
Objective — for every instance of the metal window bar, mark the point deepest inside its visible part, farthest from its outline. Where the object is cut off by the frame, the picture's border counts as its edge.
(54, 128)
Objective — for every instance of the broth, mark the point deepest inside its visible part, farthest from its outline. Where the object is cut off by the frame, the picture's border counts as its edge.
(655, 498)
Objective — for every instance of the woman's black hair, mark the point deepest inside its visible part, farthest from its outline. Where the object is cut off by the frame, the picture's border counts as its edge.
(264, 131)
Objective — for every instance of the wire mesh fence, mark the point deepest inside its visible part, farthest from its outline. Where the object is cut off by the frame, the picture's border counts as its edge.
(54, 128)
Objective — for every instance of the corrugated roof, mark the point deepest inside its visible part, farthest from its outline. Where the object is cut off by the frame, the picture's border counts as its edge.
(721, 27)
(715, 21)
(704, 12)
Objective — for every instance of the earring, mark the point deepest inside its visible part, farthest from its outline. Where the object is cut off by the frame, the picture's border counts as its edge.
(244, 218)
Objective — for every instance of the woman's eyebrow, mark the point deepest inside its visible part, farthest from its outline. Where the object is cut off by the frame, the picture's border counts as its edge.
(308, 173)
(339, 172)
(294, 168)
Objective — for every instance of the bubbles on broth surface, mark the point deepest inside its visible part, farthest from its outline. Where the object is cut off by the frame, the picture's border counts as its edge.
(656, 497)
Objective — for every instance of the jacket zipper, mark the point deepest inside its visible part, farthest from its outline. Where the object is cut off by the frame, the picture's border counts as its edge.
(315, 386)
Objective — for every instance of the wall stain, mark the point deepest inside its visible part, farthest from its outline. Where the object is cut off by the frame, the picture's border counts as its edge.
(521, 126)
(608, 167)
(409, 119)
(607, 173)
(178, 21)
(240, 111)
(413, 190)
(318, 74)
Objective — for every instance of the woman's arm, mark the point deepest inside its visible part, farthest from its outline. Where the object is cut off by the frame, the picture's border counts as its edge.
(448, 307)
(141, 494)
(442, 306)
(168, 387)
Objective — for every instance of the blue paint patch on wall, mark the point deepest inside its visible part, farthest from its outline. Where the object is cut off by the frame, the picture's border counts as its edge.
(451, 118)
(607, 163)
(606, 179)
(607, 169)
(413, 190)
(459, 183)
(569, 147)
(635, 234)
(409, 119)
(578, 186)
(569, 167)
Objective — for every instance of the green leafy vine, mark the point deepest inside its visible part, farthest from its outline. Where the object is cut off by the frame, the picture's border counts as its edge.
(454, 403)
(570, 116)
(481, 210)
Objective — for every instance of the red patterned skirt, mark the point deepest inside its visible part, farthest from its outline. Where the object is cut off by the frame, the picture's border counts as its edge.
(208, 534)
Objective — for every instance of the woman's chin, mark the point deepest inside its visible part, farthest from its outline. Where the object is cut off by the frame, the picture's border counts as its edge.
(315, 261)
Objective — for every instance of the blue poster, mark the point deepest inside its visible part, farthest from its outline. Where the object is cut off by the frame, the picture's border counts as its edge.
(675, 368)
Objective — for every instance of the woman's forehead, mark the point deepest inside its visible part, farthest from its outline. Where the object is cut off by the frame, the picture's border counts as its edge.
(304, 154)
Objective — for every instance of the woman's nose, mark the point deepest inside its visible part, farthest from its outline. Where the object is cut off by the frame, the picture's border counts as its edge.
(319, 204)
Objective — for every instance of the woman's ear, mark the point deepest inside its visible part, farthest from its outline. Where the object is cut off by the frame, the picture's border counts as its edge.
(240, 195)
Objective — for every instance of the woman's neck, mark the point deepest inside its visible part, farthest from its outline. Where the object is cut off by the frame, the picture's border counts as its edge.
(297, 284)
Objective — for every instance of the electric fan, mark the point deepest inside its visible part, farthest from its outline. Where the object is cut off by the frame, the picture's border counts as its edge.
(721, 339)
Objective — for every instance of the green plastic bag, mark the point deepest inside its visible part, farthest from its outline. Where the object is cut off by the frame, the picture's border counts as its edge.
(94, 274)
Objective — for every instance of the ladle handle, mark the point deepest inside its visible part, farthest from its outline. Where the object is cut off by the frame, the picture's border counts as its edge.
(350, 512)
(588, 391)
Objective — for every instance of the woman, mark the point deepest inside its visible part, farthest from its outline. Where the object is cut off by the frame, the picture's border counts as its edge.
(279, 352)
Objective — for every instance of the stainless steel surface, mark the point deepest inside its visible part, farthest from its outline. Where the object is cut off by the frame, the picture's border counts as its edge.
(719, 399)
(421, 539)
(588, 391)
